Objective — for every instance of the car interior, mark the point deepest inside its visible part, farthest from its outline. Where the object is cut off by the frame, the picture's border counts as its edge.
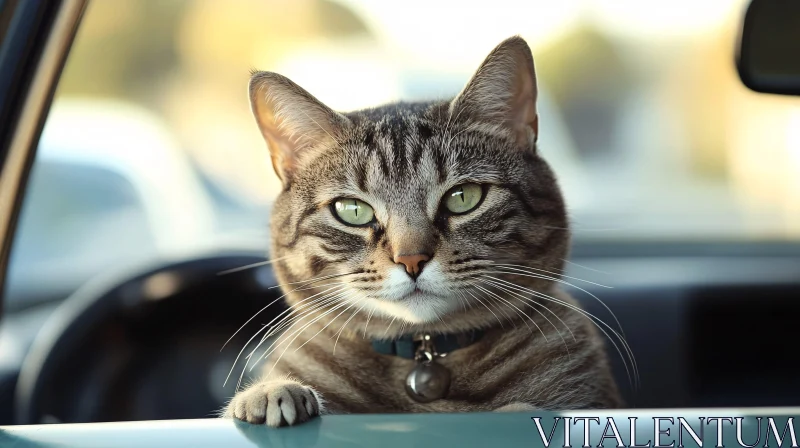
(709, 320)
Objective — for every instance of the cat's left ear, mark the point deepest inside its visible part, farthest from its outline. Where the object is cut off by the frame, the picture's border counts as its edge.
(292, 121)
(503, 92)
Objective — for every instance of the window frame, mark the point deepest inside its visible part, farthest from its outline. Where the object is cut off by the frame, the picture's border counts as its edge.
(35, 38)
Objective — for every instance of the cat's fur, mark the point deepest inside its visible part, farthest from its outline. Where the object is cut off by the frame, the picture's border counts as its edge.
(401, 158)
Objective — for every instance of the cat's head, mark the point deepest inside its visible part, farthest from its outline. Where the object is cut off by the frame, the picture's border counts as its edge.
(407, 211)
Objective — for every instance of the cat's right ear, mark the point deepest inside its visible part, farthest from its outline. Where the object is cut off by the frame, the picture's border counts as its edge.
(292, 121)
(503, 92)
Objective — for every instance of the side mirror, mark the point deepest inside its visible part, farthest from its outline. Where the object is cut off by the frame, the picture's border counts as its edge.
(769, 47)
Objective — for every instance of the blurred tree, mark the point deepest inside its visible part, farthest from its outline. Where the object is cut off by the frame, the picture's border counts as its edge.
(701, 86)
(589, 81)
(123, 49)
(336, 20)
(128, 48)
(583, 63)
(218, 44)
(188, 61)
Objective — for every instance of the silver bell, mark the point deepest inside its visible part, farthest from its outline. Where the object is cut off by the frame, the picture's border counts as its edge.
(428, 381)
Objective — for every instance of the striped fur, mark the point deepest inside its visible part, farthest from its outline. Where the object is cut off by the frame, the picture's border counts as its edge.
(345, 288)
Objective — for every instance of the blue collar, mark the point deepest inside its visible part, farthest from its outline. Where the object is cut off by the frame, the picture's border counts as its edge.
(406, 346)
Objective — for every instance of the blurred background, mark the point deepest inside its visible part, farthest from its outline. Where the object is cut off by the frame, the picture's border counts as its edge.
(150, 149)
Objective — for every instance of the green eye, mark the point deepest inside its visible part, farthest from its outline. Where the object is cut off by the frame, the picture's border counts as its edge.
(463, 198)
(353, 212)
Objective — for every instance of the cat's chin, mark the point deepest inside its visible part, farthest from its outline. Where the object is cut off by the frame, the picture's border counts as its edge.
(414, 308)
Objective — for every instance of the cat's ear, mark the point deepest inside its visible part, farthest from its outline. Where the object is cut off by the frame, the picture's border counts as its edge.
(503, 92)
(291, 120)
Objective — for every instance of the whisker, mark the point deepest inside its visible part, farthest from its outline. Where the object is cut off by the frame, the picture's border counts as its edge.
(501, 310)
(305, 307)
(298, 332)
(482, 263)
(323, 328)
(502, 287)
(258, 264)
(339, 333)
(291, 321)
(594, 319)
(369, 316)
(444, 323)
(326, 326)
(518, 311)
(530, 305)
(597, 322)
(264, 327)
(305, 304)
(287, 324)
(524, 273)
(490, 310)
(267, 335)
(254, 316)
(585, 267)
(340, 299)
(578, 227)
(519, 266)
(323, 277)
(462, 299)
(272, 347)
(389, 326)
(495, 303)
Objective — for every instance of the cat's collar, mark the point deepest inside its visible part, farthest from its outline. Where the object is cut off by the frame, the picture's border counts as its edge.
(410, 346)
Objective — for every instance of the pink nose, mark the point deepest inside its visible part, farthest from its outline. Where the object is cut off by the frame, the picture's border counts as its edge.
(413, 263)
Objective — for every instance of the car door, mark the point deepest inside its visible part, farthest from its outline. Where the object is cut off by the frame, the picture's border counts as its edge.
(36, 40)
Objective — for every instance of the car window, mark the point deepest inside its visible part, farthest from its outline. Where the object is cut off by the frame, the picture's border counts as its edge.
(150, 148)
(75, 213)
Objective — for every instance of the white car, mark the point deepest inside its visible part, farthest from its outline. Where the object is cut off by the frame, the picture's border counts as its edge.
(110, 186)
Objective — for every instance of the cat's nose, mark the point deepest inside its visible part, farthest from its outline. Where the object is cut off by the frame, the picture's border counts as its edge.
(413, 263)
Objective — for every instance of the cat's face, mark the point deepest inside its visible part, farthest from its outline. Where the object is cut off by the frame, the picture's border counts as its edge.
(405, 211)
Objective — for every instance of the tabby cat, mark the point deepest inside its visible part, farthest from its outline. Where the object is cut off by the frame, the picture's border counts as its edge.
(413, 222)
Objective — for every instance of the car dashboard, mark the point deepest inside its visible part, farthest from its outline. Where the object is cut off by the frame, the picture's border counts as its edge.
(644, 428)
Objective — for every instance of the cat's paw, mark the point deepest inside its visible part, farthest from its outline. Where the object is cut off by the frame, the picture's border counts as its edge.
(276, 403)
(516, 407)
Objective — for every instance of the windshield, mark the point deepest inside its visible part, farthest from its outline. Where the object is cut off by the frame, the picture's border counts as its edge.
(150, 148)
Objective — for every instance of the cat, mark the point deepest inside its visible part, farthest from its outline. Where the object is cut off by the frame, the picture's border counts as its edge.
(431, 220)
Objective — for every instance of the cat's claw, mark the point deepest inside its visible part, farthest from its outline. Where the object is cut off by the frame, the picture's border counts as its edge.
(276, 403)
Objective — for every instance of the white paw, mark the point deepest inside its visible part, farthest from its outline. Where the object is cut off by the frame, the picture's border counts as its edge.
(515, 407)
(276, 403)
